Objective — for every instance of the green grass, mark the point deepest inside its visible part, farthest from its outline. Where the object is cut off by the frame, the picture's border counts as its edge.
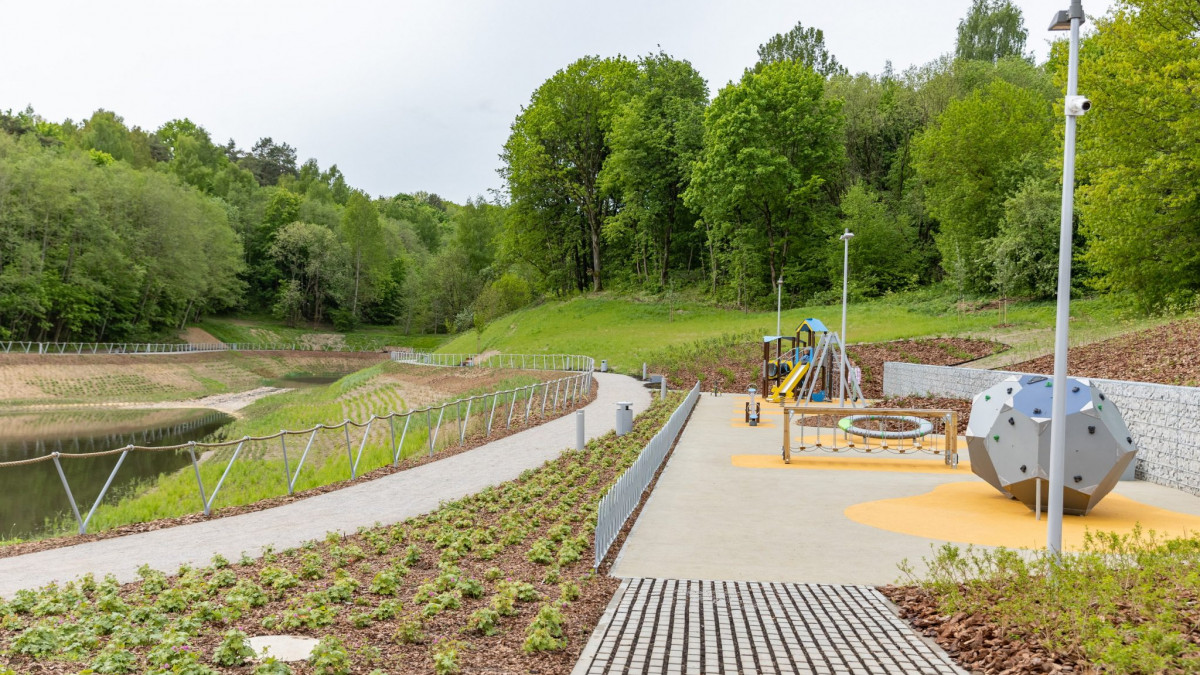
(259, 472)
(628, 332)
(267, 330)
(1125, 604)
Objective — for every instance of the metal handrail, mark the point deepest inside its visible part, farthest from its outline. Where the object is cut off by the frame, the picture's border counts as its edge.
(91, 348)
(567, 391)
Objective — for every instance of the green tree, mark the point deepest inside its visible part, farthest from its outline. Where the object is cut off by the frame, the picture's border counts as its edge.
(557, 149)
(882, 251)
(363, 238)
(1139, 151)
(802, 45)
(312, 263)
(655, 138)
(772, 142)
(992, 30)
(106, 131)
(973, 157)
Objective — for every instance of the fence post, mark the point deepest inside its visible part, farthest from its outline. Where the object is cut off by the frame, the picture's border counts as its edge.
(433, 441)
(199, 482)
(429, 430)
(400, 448)
(462, 425)
(579, 435)
(70, 497)
(545, 393)
(103, 490)
(349, 451)
(492, 415)
(287, 469)
(512, 404)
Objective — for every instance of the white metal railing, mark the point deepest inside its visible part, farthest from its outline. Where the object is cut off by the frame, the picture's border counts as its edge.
(82, 348)
(570, 362)
(619, 502)
(421, 429)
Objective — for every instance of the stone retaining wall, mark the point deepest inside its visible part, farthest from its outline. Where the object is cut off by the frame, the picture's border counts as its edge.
(1164, 420)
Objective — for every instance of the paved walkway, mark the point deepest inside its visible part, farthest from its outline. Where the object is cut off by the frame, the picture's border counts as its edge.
(685, 627)
(385, 500)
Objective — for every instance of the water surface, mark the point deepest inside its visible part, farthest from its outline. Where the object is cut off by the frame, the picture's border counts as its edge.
(32, 496)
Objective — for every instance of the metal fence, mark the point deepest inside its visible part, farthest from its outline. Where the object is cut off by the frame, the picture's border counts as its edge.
(572, 362)
(81, 348)
(345, 449)
(619, 502)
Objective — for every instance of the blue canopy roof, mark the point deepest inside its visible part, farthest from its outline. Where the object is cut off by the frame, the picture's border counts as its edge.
(815, 325)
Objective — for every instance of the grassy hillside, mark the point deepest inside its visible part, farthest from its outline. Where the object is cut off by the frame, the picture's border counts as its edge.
(628, 332)
(268, 330)
(122, 378)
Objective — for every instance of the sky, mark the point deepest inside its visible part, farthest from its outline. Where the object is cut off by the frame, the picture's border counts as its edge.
(406, 96)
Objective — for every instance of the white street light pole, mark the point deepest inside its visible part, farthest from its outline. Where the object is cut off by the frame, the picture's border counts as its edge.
(1073, 106)
(778, 305)
(844, 367)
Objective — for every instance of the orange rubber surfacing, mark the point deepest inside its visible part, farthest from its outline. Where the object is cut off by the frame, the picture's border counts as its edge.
(973, 512)
(850, 460)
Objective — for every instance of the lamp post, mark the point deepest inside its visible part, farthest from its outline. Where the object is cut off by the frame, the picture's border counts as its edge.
(1073, 106)
(845, 293)
(778, 305)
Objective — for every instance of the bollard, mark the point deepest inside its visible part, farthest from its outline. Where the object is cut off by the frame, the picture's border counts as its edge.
(643, 371)
(662, 388)
(624, 417)
(579, 436)
(604, 365)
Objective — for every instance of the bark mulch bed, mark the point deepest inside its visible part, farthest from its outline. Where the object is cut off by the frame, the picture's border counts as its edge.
(1168, 354)
(976, 644)
(931, 352)
(961, 406)
(733, 364)
(471, 442)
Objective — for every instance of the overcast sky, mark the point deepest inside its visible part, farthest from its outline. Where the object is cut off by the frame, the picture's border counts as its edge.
(406, 96)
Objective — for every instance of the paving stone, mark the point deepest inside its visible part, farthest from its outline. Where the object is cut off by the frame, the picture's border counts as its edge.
(728, 628)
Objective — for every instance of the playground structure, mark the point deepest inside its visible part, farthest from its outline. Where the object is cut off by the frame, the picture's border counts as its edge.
(1008, 438)
(853, 432)
(806, 365)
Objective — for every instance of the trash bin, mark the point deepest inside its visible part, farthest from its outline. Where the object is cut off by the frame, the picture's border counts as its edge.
(604, 365)
(624, 417)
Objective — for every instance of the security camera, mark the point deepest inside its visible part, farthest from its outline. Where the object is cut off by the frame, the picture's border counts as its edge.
(1077, 105)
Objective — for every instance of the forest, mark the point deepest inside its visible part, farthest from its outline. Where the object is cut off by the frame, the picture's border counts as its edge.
(632, 176)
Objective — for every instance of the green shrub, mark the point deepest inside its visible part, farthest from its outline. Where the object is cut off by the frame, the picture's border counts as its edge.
(234, 649)
(330, 657)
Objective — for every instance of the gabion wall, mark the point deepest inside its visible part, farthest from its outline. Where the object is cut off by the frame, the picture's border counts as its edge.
(1164, 420)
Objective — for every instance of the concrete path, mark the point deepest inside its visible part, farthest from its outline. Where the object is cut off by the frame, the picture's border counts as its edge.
(715, 515)
(709, 519)
(686, 627)
(386, 500)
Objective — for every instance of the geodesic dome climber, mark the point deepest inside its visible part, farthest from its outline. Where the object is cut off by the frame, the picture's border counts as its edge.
(1008, 438)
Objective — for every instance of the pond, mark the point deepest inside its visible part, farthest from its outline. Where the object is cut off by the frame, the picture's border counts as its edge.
(32, 498)
(299, 381)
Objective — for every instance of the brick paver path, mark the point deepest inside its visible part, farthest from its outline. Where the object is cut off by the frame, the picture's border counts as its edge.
(711, 627)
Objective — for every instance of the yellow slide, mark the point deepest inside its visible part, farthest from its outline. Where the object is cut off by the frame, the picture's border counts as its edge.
(790, 382)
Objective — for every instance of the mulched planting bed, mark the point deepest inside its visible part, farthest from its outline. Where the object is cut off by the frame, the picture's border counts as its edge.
(1124, 604)
(1168, 354)
(733, 364)
(470, 443)
(931, 352)
(961, 406)
(497, 582)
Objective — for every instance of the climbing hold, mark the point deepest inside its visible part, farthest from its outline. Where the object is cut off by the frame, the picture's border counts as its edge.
(1078, 479)
(987, 398)
(1010, 390)
(1012, 421)
(996, 437)
(1091, 430)
(1129, 439)
(1074, 390)
(1037, 411)
(1022, 468)
(1101, 396)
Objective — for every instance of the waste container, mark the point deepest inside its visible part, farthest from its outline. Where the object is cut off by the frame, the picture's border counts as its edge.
(624, 417)
(604, 365)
